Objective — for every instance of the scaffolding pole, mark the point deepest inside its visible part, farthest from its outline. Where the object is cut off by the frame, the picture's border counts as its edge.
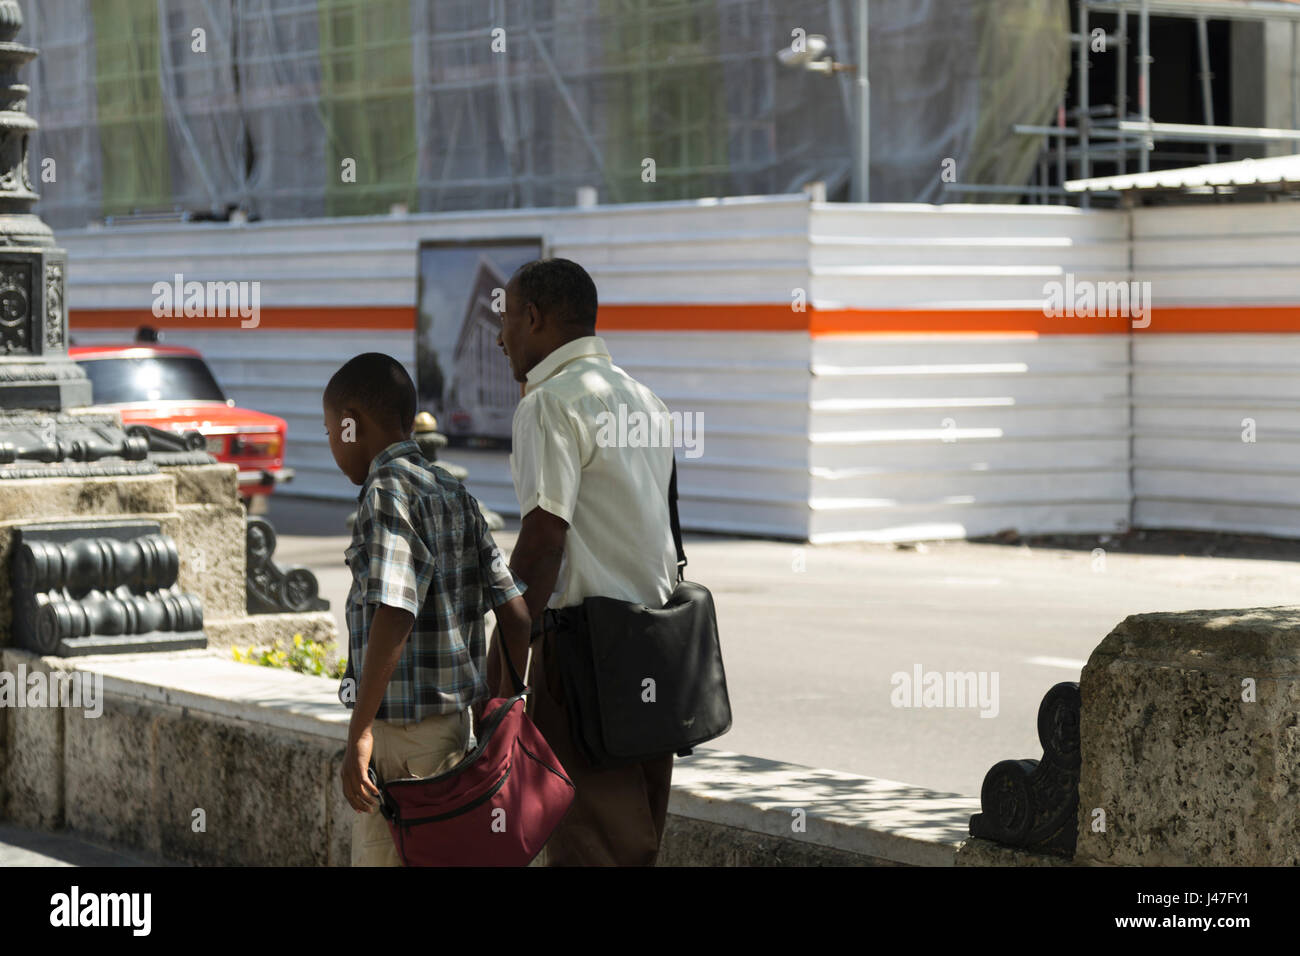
(1121, 87)
(1144, 83)
(1085, 117)
(1203, 50)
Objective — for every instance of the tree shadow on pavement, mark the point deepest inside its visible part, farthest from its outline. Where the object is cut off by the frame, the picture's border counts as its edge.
(1172, 543)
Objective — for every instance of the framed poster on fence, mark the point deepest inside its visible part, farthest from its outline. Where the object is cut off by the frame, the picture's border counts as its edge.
(462, 375)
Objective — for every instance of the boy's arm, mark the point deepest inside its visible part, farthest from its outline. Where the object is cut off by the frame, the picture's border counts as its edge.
(389, 629)
(396, 583)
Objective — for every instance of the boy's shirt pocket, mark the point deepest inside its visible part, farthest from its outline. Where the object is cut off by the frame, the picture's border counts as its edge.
(358, 563)
(354, 611)
(355, 557)
(354, 616)
(392, 564)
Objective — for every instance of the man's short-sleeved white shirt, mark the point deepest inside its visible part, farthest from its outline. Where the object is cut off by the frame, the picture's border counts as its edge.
(610, 485)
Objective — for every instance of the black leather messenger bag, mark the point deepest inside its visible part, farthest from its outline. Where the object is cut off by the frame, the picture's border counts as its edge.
(641, 682)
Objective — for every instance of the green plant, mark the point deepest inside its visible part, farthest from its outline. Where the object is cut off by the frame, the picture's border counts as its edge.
(304, 657)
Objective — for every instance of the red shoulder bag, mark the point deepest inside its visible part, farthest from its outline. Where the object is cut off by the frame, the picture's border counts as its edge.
(497, 807)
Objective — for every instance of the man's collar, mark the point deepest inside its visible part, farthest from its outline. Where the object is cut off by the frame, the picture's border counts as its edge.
(398, 449)
(562, 356)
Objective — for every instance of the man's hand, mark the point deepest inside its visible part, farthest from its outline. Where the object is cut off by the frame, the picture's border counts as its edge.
(515, 627)
(494, 666)
(498, 678)
(357, 788)
(506, 687)
(536, 559)
(512, 632)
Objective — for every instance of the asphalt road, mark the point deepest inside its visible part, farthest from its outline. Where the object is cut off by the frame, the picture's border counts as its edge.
(813, 635)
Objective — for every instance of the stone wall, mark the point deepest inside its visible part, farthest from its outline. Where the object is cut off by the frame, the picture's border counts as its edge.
(198, 507)
(258, 750)
(1190, 736)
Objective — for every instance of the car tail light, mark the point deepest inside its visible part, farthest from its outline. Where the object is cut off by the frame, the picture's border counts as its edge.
(255, 446)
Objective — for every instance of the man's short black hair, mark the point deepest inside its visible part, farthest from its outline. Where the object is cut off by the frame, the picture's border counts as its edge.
(559, 287)
(377, 383)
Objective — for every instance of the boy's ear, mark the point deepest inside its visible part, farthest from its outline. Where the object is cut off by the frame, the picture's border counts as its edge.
(351, 424)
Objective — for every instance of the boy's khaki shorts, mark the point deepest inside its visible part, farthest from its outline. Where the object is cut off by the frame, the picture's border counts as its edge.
(434, 745)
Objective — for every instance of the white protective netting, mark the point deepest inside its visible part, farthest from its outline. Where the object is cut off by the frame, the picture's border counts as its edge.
(585, 90)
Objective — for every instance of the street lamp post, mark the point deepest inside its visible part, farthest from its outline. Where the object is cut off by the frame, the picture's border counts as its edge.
(35, 371)
(811, 57)
(862, 175)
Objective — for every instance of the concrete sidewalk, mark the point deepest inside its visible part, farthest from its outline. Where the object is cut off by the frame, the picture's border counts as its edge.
(813, 636)
(20, 847)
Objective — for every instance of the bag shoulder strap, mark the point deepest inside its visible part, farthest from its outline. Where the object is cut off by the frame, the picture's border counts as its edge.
(675, 522)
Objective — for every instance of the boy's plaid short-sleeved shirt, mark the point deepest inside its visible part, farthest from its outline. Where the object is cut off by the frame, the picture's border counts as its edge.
(420, 543)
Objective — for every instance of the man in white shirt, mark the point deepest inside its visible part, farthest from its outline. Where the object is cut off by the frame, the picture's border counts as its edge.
(594, 522)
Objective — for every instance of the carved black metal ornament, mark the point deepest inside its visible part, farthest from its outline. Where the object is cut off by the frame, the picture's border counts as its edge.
(104, 587)
(173, 448)
(271, 588)
(159, 439)
(1033, 804)
(31, 440)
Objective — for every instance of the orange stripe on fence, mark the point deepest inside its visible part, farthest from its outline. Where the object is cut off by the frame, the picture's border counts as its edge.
(1224, 319)
(832, 322)
(817, 323)
(614, 317)
(676, 317)
(386, 318)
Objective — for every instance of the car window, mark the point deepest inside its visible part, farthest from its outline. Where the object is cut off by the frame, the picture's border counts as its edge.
(164, 378)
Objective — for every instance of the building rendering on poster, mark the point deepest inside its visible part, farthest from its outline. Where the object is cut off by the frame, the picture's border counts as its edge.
(463, 376)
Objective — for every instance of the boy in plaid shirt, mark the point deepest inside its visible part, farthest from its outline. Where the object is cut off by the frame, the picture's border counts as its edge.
(425, 571)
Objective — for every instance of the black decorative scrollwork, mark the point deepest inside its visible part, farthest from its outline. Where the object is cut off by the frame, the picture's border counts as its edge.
(271, 588)
(1033, 804)
(160, 439)
(101, 588)
(59, 440)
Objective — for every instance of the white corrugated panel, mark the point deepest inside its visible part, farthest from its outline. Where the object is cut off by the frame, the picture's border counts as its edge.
(750, 388)
(845, 437)
(1200, 399)
(952, 435)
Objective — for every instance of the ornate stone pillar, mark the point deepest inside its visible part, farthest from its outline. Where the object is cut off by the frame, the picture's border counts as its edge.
(35, 371)
(44, 430)
(92, 580)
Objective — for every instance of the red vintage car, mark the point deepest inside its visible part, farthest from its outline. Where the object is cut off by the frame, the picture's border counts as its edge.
(172, 388)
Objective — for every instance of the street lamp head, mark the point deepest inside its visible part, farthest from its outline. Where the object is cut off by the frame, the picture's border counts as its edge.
(11, 19)
(812, 49)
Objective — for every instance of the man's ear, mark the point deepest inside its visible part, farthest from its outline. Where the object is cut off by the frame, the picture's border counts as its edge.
(536, 321)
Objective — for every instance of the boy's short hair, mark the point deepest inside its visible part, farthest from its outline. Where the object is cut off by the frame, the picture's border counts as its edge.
(377, 383)
(559, 287)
